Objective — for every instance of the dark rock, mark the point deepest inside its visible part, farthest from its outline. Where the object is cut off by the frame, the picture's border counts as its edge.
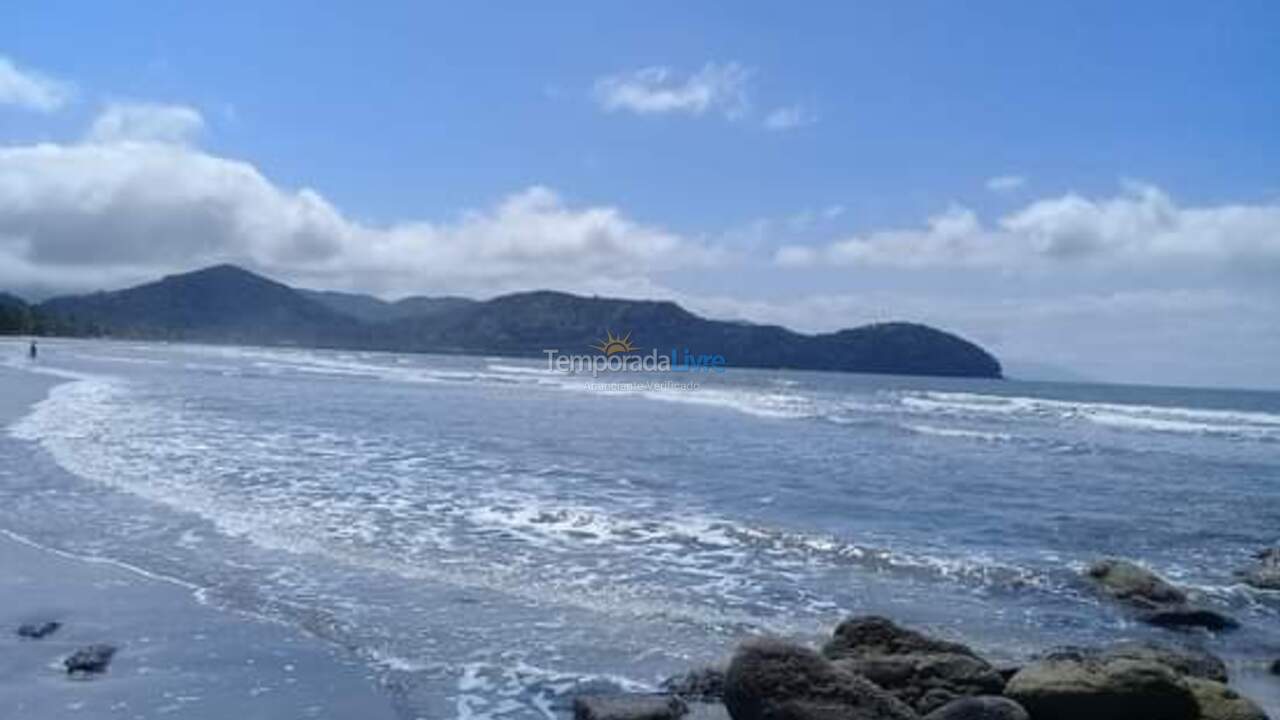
(1157, 601)
(985, 707)
(1275, 668)
(39, 630)
(775, 680)
(1187, 616)
(1089, 689)
(90, 660)
(1187, 661)
(1266, 574)
(927, 681)
(628, 707)
(704, 684)
(1134, 584)
(1007, 671)
(871, 635)
(1191, 662)
(1219, 702)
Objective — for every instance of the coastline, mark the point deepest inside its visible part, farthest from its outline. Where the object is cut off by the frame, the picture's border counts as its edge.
(177, 657)
(210, 658)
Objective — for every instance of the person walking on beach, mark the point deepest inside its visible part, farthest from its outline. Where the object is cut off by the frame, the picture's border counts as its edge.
(33, 352)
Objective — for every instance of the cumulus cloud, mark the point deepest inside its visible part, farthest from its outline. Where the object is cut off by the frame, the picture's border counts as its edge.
(1139, 226)
(1006, 183)
(789, 118)
(655, 90)
(131, 209)
(31, 90)
(147, 122)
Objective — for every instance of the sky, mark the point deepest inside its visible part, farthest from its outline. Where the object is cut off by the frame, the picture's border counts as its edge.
(1087, 186)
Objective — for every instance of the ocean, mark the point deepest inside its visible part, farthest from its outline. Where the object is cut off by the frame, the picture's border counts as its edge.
(488, 536)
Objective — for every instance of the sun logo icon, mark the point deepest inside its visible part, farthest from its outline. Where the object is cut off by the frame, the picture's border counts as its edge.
(612, 345)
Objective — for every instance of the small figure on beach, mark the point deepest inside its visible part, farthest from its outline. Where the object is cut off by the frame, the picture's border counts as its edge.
(33, 351)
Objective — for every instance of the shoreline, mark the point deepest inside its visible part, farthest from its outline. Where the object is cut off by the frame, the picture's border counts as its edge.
(177, 657)
(210, 656)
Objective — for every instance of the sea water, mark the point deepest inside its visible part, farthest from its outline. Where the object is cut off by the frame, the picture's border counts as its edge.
(490, 536)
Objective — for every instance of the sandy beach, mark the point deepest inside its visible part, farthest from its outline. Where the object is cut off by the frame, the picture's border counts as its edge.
(176, 657)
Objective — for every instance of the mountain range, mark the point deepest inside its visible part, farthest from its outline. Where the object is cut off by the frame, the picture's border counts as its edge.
(228, 304)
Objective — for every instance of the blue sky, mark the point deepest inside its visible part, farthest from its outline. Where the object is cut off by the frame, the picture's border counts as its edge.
(1019, 172)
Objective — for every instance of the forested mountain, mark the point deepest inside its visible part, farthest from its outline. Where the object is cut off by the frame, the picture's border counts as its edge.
(229, 304)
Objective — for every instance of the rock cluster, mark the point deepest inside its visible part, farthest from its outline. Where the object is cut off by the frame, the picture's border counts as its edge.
(873, 669)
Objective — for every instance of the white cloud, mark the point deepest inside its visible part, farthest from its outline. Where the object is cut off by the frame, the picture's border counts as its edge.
(789, 118)
(1133, 229)
(147, 122)
(30, 89)
(716, 87)
(71, 215)
(1006, 183)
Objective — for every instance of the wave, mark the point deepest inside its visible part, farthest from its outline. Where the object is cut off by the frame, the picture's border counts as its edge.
(959, 433)
(1242, 424)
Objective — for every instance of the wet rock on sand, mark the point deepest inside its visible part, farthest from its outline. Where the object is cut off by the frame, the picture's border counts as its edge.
(772, 679)
(38, 630)
(925, 673)
(90, 660)
(1156, 600)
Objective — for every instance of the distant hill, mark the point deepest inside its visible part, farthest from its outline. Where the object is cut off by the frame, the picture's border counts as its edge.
(223, 303)
(15, 315)
(368, 308)
(228, 304)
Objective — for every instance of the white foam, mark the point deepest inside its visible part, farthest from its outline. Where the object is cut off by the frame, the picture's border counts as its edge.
(1244, 424)
(952, 432)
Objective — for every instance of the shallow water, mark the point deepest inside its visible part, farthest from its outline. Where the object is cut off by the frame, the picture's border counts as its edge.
(488, 535)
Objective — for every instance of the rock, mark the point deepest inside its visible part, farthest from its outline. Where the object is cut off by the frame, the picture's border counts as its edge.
(870, 635)
(985, 707)
(1187, 616)
(1134, 584)
(1158, 601)
(1266, 575)
(771, 679)
(926, 681)
(38, 630)
(1275, 668)
(1191, 662)
(922, 671)
(628, 707)
(1091, 689)
(1182, 660)
(704, 684)
(90, 660)
(1219, 702)
(1008, 671)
